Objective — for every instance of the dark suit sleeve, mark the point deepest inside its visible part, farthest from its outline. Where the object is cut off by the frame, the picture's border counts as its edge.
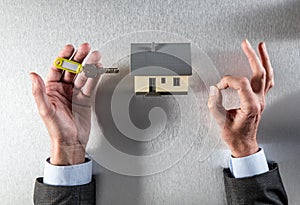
(263, 189)
(58, 195)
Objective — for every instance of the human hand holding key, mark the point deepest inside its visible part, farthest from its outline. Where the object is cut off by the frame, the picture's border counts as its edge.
(64, 103)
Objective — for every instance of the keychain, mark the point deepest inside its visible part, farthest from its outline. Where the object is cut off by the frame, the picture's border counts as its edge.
(90, 70)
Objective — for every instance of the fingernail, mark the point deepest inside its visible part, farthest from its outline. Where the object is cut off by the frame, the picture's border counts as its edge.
(213, 90)
(220, 85)
(33, 80)
(248, 43)
(264, 46)
(30, 75)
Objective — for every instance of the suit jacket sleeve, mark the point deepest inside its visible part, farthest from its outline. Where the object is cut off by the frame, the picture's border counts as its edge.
(263, 189)
(64, 195)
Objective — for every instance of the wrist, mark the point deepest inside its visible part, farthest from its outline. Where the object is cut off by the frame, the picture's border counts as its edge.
(244, 149)
(64, 155)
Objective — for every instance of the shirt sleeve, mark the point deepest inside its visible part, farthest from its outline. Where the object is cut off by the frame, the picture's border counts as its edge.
(73, 175)
(252, 165)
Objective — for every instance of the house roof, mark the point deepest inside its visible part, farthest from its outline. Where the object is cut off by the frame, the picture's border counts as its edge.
(160, 59)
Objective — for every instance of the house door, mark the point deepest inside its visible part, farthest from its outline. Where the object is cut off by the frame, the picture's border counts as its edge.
(152, 85)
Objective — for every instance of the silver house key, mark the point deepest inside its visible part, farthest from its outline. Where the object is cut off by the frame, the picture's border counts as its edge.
(92, 71)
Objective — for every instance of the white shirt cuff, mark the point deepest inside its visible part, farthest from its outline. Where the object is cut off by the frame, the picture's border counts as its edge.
(73, 175)
(249, 166)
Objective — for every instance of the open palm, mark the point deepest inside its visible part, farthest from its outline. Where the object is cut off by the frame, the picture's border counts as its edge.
(64, 104)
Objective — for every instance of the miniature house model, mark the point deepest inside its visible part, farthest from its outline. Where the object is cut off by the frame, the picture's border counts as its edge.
(160, 68)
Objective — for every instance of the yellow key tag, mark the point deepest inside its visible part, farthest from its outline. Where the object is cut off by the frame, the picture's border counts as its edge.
(68, 65)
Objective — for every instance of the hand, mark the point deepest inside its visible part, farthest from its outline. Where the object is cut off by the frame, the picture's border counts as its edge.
(239, 126)
(64, 104)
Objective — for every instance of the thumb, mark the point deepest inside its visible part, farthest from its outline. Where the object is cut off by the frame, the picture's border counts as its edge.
(39, 93)
(215, 105)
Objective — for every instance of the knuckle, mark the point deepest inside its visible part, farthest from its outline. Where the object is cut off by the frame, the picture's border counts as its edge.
(270, 86)
(44, 113)
(270, 75)
(271, 71)
(260, 74)
(262, 104)
(210, 104)
(272, 79)
(255, 108)
(244, 81)
(262, 107)
(82, 80)
(263, 73)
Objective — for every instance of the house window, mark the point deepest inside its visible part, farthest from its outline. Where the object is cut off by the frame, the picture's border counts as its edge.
(163, 80)
(176, 81)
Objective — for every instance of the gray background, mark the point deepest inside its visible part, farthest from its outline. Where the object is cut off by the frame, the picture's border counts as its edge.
(32, 32)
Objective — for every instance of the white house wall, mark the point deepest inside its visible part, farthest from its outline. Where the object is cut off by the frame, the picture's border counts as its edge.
(141, 84)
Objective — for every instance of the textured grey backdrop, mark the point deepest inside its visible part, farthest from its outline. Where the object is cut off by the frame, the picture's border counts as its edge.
(32, 32)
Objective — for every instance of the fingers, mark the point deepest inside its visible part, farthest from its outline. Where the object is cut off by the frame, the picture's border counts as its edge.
(55, 74)
(94, 58)
(39, 93)
(259, 74)
(91, 83)
(79, 56)
(248, 99)
(81, 79)
(264, 56)
(215, 105)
